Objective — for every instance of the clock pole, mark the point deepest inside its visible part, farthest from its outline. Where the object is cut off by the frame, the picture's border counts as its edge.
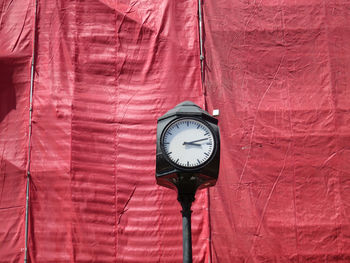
(186, 202)
(186, 189)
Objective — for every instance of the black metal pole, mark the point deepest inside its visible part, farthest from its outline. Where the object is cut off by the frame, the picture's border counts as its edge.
(186, 202)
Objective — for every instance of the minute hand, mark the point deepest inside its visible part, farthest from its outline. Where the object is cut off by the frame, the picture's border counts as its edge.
(198, 140)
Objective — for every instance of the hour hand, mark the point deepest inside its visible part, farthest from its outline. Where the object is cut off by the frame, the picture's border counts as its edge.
(191, 143)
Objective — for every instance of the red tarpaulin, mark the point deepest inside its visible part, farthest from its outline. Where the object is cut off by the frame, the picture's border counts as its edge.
(105, 70)
(279, 73)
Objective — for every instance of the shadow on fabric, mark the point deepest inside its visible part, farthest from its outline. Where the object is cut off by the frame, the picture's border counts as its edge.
(7, 90)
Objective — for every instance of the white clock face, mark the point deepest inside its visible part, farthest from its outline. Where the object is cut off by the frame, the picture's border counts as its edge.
(188, 143)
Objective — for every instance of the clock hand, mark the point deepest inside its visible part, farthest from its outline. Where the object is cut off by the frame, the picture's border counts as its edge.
(198, 140)
(191, 143)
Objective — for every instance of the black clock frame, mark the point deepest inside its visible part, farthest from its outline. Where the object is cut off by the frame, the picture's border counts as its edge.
(184, 168)
(169, 174)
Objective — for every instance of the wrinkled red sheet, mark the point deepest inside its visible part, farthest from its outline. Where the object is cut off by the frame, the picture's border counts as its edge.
(278, 71)
(105, 71)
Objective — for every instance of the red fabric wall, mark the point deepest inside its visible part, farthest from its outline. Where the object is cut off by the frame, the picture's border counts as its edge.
(106, 70)
(279, 73)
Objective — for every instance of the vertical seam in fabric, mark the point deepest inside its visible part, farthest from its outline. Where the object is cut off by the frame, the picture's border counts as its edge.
(201, 50)
(209, 226)
(115, 229)
(30, 134)
(201, 59)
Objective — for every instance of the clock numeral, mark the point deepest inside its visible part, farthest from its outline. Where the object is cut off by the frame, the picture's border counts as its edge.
(187, 123)
(198, 161)
(208, 143)
(198, 126)
(170, 153)
(206, 154)
(188, 163)
(177, 161)
(177, 126)
(206, 133)
(170, 133)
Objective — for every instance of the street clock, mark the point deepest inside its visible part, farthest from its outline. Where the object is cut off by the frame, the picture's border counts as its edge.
(188, 158)
(188, 147)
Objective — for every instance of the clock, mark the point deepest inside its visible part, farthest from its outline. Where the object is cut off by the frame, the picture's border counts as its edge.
(188, 143)
(188, 148)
